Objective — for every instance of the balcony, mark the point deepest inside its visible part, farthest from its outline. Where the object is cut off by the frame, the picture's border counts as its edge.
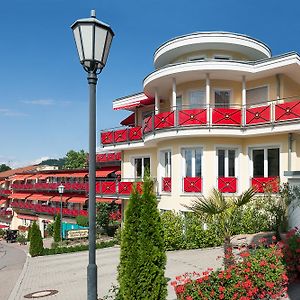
(166, 184)
(192, 184)
(69, 187)
(265, 184)
(105, 157)
(227, 184)
(268, 114)
(47, 210)
(114, 187)
(5, 192)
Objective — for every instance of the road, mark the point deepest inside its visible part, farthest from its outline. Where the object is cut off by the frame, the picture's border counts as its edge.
(12, 260)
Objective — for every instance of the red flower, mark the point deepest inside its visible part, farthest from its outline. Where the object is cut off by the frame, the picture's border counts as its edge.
(221, 296)
(221, 289)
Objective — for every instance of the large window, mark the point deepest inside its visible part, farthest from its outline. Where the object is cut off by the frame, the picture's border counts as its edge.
(192, 158)
(257, 95)
(226, 162)
(140, 165)
(166, 163)
(222, 98)
(265, 162)
(197, 98)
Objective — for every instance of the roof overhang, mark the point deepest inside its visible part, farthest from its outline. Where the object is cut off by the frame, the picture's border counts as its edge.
(132, 102)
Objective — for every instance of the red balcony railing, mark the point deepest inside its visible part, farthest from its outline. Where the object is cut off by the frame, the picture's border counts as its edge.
(227, 184)
(235, 116)
(263, 184)
(105, 157)
(192, 184)
(5, 192)
(5, 213)
(117, 187)
(71, 187)
(48, 210)
(166, 184)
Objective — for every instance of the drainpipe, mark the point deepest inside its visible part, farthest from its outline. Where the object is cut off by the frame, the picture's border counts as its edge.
(290, 141)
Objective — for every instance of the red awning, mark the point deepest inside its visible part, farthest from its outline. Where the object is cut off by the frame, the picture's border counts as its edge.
(106, 171)
(40, 197)
(25, 217)
(108, 200)
(133, 102)
(34, 177)
(57, 198)
(3, 226)
(20, 177)
(77, 200)
(129, 121)
(79, 174)
(68, 175)
(44, 176)
(18, 196)
(2, 201)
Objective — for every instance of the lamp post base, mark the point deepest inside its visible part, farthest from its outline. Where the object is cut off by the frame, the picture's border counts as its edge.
(92, 282)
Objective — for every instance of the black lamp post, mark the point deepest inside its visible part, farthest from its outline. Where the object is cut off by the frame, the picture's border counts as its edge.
(93, 39)
(61, 189)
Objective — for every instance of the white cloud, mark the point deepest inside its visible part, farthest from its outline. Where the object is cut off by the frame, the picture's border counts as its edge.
(11, 113)
(42, 102)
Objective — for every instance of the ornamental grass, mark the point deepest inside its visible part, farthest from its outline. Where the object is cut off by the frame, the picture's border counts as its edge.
(256, 274)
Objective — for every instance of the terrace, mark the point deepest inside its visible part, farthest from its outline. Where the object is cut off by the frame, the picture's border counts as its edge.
(233, 116)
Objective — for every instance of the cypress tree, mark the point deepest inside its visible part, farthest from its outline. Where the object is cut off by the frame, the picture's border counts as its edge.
(56, 230)
(143, 257)
(36, 242)
(128, 276)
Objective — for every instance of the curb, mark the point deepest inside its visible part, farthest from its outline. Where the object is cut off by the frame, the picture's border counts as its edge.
(17, 286)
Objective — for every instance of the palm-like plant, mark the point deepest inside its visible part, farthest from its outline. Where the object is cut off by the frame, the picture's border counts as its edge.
(224, 211)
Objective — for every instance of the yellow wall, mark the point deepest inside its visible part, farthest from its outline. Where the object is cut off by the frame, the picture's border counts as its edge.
(290, 87)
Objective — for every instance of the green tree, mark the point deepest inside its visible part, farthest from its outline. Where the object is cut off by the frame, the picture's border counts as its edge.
(143, 257)
(82, 221)
(75, 160)
(4, 167)
(56, 230)
(224, 211)
(36, 242)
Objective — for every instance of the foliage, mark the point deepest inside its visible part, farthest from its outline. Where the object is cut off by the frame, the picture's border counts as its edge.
(222, 210)
(143, 258)
(4, 167)
(108, 214)
(36, 242)
(259, 274)
(70, 249)
(82, 221)
(21, 239)
(75, 160)
(291, 251)
(29, 233)
(57, 229)
(54, 162)
(50, 228)
(2, 233)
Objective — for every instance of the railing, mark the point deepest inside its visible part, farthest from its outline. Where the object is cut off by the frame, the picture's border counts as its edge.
(105, 157)
(5, 213)
(209, 116)
(48, 210)
(227, 184)
(166, 184)
(5, 192)
(71, 187)
(115, 187)
(265, 184)
(192, 184)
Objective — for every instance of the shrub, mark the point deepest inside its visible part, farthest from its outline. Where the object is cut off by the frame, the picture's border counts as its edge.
(50, 228)
(36, 242)
(2, 233)
(21, 239)
(28, 234)
(56, 229)
(291, 251)
(259, 275)
(82, 221)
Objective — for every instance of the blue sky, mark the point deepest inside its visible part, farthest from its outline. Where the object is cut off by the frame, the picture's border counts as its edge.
(43, 88)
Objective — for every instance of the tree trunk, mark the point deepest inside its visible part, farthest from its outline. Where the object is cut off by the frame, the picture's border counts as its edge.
(228, 254)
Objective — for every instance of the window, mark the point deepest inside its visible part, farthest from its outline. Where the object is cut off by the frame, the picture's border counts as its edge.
(196, 58)
(192, 158)
(266, 162)
(197, 99)
(179, 102)
(166, 163)
(222, 57)
(257, 95)
(222, 98)
(146, 114)
(226, 162)
(140, 165)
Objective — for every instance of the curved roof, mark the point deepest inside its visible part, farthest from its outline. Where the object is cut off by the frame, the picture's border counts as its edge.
(211, 40)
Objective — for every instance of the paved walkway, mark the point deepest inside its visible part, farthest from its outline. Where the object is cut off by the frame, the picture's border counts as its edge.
(66, 273)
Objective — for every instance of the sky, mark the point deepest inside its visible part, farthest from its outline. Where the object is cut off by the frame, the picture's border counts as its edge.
(44, 90)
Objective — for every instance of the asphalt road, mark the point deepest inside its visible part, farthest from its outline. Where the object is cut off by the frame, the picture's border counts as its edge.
(12, 260)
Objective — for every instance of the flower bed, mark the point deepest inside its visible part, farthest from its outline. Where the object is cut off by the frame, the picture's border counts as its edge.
(260, 274)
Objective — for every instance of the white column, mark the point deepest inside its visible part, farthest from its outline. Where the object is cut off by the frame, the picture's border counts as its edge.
(244, 100)
(174, 94)
(207, 89)
(156, 102)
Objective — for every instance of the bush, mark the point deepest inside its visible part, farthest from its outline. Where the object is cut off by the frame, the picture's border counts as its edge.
(259, 275)
(28, 234)
(82, 221)
(50, 228)
(2, 233)
(56, 229)
(21, 239)
(36, 242)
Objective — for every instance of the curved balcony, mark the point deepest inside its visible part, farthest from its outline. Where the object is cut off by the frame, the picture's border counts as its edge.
(234, 117)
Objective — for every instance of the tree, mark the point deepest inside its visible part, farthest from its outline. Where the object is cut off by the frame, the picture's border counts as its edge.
(143, 257)
(56, 230)
(36, 242)
(4, 167)
(75, 160)
(222, 210)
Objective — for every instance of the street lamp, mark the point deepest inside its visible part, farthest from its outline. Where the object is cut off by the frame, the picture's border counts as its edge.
(61, 189)
(93, 39)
